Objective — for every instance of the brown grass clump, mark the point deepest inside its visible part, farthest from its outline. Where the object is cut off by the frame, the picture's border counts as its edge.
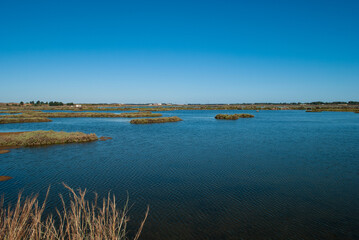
(155, 120)
(4, 151)
(105, 138)
(78, 220)
(37, 138)
(4, 178)
(233, 116)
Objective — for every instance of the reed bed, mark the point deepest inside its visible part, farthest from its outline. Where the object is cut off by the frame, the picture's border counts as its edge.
(6, 120)
(155, 120)
(80, 219)
(233, 116)
(92, 114)
(37, 138)
(39, 114)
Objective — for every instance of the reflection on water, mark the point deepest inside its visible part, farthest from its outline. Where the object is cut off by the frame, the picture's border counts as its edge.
(280, 175)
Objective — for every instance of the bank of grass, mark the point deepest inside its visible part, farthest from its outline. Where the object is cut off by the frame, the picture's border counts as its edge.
(332, 110)
(39, 114)
(233, 116)
(6, 120)
(93, 114)
(80, 219)
(38, 138)
(155, 120)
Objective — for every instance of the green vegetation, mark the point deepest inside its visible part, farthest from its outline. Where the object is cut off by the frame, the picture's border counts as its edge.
(79, 220)
(233, 116)
(155, 120)
(37, 138)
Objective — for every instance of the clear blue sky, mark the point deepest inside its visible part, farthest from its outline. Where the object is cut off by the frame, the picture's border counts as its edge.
(179, 51)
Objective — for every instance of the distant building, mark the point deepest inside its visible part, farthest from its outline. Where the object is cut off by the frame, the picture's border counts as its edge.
(78, 105)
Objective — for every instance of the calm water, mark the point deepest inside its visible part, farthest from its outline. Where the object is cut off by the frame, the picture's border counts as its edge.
(281, 175)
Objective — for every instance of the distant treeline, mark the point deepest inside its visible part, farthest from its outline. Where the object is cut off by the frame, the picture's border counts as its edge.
(282, 103)
(51, 103)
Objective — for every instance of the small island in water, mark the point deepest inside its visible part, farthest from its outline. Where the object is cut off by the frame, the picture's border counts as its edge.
(233, 116)
(155, 120)
(39, 138)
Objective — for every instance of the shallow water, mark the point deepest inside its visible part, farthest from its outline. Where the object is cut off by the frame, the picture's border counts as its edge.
(280, 175)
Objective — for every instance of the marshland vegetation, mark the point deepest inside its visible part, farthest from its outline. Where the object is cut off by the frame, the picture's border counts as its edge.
(233, 116)
(39, 116)
(80, 219)
(350, 106)
(5, 120)
(155, 120)
(38, 138)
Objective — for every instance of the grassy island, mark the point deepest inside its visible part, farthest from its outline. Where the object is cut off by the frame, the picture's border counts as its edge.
(233, 116)
(6, 120)
(38, 138)
(155, 120)
(38, 116)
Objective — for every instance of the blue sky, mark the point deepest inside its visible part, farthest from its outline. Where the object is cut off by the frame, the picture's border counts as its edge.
(179, 51)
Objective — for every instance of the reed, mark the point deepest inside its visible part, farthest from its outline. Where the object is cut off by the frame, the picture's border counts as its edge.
(80, 219)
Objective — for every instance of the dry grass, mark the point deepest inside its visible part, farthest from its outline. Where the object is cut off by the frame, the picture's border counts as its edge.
(155, 120)
(6, 120)
(2, 151)
(37, 138)
(79, 220)
(38, 116)
(5, 178)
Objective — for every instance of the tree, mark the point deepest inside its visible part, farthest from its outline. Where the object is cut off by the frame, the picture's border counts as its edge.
(21, 103)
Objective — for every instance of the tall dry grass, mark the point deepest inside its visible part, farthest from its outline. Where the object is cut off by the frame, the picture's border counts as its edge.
(79, 220)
